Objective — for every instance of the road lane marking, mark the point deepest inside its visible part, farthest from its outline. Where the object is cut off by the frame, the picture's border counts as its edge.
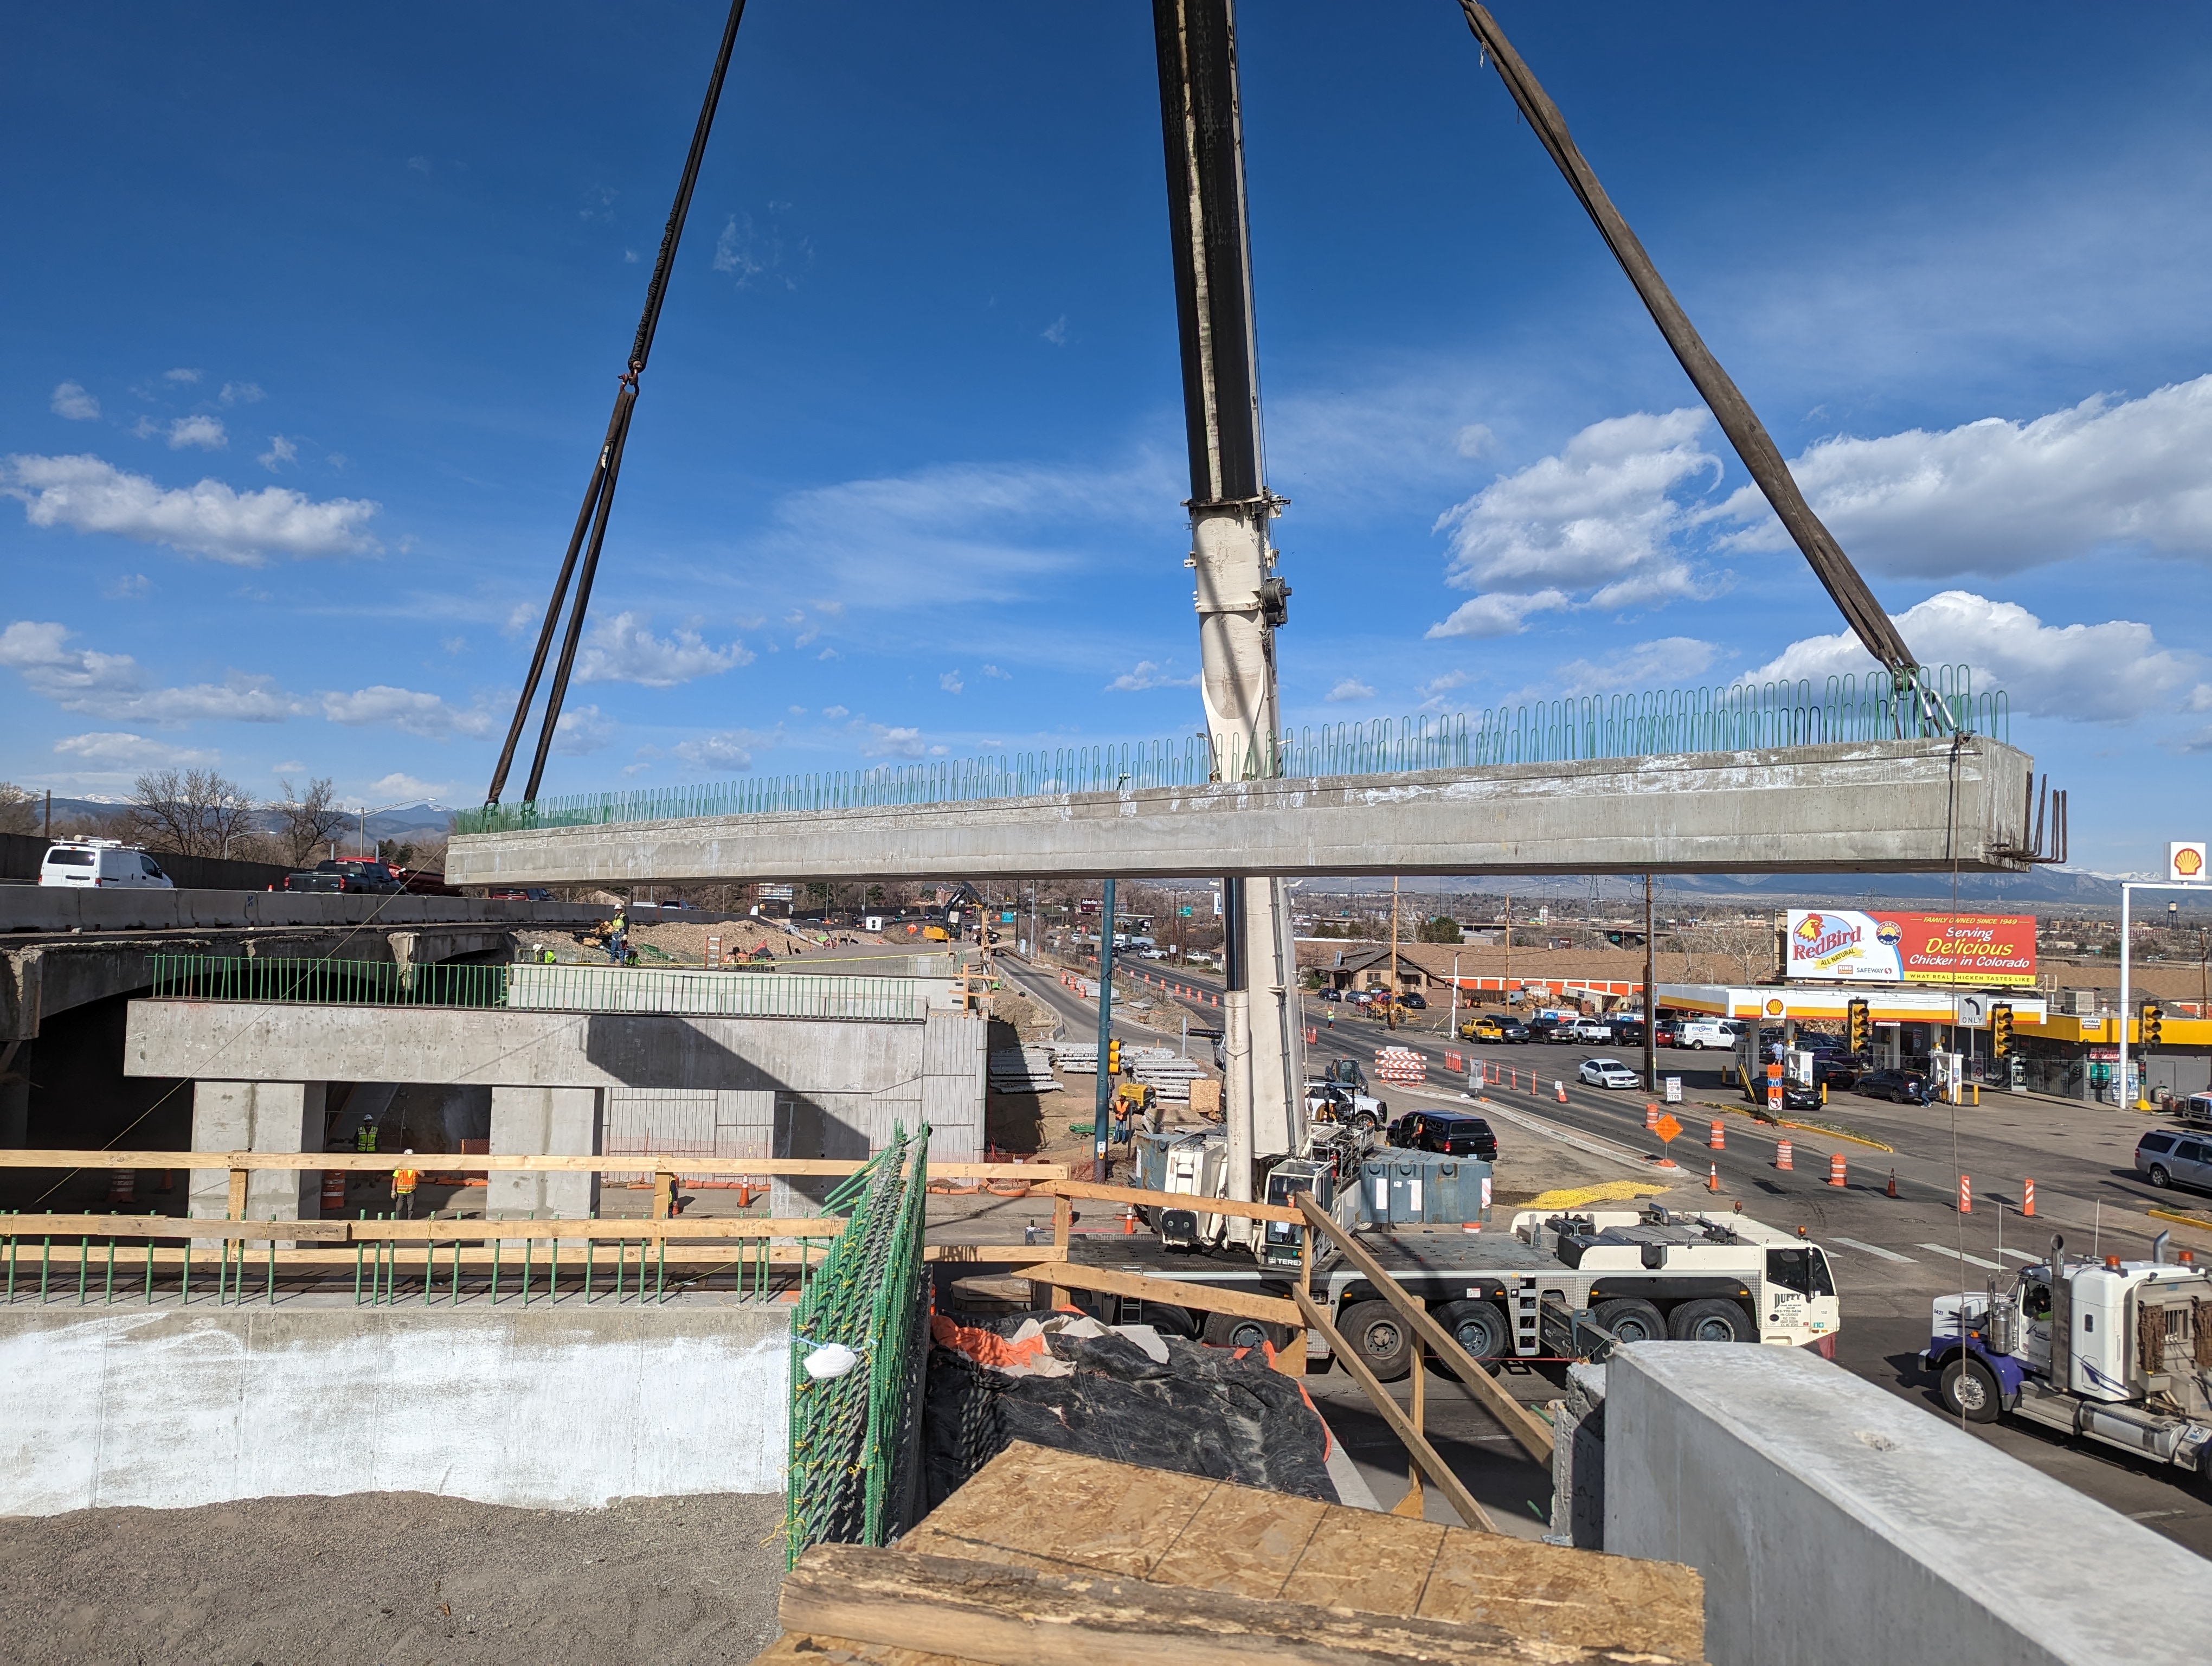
(1945, 1250)
(1871, 1249)
(2024, 1255)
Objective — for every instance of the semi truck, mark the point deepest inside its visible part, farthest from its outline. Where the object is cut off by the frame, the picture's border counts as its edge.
(1540, 1291)
(2114, 1350)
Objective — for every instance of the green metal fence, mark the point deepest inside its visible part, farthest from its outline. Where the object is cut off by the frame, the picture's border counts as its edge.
(1660, 722)
(559, 988)
(856, 1436)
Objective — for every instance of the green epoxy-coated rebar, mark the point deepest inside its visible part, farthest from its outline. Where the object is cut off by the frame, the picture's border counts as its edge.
(109, 1300)
(457, 1271)
(272, 1272)
(150, 1269)
(46, 1265)
(587, 1271)
(660, 1277)
(526, 1243)
(184, 1277)
(84, 1266)
(495, 1272)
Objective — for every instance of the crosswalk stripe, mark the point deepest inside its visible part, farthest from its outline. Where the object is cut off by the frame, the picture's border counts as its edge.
(2022, 1255)
(1871, 1249)
(1945, 1250)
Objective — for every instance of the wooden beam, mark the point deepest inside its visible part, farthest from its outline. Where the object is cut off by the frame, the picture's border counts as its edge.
(1145, 1198)
(1074, 1275)
(1416, 1443)
(476, 1162)
(1025, 1616)
(472, 1230)
(1532, 1434)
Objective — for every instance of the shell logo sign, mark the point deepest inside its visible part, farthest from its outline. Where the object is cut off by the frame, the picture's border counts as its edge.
(2184, 862)
(1776, 1009)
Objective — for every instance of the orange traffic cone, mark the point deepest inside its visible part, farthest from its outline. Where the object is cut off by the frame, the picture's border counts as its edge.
(1562, 1088)
(1713, 1178)
(1892, 1183)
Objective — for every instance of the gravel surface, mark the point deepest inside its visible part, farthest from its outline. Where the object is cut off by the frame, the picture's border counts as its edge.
(393, 1579)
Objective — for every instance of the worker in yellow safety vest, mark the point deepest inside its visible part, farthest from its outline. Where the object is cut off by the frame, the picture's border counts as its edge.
(403, 1188)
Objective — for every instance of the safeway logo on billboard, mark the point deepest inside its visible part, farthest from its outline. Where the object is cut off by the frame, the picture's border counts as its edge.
(1843, 946)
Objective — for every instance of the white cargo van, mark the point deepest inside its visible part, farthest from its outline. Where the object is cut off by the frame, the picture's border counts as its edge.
(1701, 1033)
(106, 864)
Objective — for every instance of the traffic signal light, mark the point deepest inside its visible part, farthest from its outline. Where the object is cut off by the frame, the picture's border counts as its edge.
(2000, 1030)
(1113, 1058)
(2150, 1024)
(1861, 1026)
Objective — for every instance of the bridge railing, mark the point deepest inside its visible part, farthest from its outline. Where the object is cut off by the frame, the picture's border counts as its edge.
(1731, 717)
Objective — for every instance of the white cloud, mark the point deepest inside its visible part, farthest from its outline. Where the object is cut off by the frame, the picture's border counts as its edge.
(242, 393)
(281, 451)
(733, 749)
(1351, 689)
(796, 711)
(834, 711)
(132, 751)
(1436, 687)
(1666, 662)
(419, 164)
(1594, 526)
(2091, 673)
(582, 729)
(205, 432)
(128, 587)
(623, 649)
(879, 741)
(951, 682)
(112, 685)
(409, 710)
(404, 790)
(1474, 441)
(180, 375)
(1145, 674)
(1056, 331)
(1997, 496)
(72, 402)
(994, 671)
(89, 495)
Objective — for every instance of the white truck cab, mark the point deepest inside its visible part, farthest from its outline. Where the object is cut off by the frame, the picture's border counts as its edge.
(101, 864)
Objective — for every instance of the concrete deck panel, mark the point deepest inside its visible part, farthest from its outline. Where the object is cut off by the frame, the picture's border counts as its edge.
(1900, 806)
(1836, 1523)
(65, 908)
(554, 1406)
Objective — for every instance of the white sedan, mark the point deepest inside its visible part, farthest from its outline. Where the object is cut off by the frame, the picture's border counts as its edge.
(1608, 1072)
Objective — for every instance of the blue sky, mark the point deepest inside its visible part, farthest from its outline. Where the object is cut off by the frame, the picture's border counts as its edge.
(312, 319)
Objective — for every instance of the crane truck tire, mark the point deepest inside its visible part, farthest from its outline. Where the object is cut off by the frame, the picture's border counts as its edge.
(1382, 1339)
(1226, 1330)
(1968, 1388)
(1711, 1320)
(1631, 1319)
(1478, 1327)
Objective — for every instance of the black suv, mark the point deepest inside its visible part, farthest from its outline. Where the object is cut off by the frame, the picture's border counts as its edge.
(1449, 1132)
(1904, 1087)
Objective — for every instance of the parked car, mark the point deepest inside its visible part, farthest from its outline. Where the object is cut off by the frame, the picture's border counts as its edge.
(2175, 1159)
(1359, 997)
(1542, 1029)
(539, 894)
(1450, 1132)
(1591, 1032)
(1489, 1028)
(1699, 1034)
(1836, 1071)
(1904, 1087)
(1413, 999)
(1607, 1073)
(102, 864)
(1332, 995)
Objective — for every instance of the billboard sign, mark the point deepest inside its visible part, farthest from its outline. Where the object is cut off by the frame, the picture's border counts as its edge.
(1840, 945)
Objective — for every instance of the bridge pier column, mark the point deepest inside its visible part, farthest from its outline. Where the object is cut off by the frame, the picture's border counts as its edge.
(266, 1117)
(566, 1121)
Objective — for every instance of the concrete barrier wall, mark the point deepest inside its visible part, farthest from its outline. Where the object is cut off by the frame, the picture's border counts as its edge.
(563, 1407)
(58, 908)
(1836, 1523)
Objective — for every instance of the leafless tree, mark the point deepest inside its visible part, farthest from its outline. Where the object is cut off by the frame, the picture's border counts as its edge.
(1747, 940)
(305, 824)
(19, 809)
(191, 812)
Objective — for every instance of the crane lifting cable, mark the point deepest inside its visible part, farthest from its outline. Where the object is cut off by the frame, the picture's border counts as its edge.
(599, 493)
(1876, 631)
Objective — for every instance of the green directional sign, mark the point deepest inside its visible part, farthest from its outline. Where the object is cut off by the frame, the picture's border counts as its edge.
(1186, 910)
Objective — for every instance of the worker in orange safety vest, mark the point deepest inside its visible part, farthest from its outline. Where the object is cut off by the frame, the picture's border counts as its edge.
(403, 1188)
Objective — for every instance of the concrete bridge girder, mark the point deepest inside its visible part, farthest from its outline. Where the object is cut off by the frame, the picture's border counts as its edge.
(1881, 807)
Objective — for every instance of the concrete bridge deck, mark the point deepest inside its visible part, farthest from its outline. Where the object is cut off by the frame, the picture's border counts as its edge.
(1874, 806)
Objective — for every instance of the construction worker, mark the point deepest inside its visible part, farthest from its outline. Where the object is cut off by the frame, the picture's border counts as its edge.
(618, 933)
(364, 1137)
(404, 1179)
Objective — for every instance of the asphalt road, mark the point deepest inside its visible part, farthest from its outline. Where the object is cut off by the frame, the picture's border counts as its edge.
(1892, 1256)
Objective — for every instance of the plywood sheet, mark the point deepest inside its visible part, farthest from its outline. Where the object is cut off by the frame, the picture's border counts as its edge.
(1564, 1595)
(1242, 1540)
(1038, 1507)
(1378, 1564)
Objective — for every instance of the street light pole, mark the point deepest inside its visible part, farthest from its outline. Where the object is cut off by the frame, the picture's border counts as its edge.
(2128, 889)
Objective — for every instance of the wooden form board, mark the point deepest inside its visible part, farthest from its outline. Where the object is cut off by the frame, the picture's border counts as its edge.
(1140, 1197)
(1022, 1616)
(469, 1231)
(1207, 1299)
(1064, 1513)
(477, 1163)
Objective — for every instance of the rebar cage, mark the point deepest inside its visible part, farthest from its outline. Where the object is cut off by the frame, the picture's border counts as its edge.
(855, 1435)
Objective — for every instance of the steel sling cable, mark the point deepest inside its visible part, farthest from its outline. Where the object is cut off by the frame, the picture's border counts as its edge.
(599, 491)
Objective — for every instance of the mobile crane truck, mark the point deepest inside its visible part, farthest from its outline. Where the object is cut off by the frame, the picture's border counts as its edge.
(2120, 1352)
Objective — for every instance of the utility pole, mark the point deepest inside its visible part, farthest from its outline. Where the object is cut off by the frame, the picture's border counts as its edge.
(1507, 980)
(1099, 1161)
(1650, 996)
(1390, 1014)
